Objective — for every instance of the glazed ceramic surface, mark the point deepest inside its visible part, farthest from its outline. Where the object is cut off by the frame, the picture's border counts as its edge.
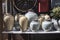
(59, 22)
(34, 26)
(31, 16)
(55, 24)
(47, 25)
(59, 25)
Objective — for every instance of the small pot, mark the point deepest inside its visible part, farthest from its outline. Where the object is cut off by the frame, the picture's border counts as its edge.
(47, 25)
(34, 25)
(9, 22)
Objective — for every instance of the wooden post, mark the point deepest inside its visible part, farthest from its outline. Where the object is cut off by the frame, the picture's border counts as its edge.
(1, 20)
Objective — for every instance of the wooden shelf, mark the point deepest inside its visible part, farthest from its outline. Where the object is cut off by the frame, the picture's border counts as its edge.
(19, 32)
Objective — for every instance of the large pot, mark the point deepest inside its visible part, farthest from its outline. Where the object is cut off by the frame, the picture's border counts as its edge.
(9, 22)
(31, 16)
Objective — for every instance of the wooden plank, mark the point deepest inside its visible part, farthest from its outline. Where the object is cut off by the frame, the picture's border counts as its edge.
(19, 32)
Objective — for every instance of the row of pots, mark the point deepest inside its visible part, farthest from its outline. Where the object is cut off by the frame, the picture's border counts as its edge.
(44, 22)
(31, 22)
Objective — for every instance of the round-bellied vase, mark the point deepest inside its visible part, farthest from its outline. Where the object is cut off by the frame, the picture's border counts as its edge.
(34, 26)
(31, 16)
(47, 25)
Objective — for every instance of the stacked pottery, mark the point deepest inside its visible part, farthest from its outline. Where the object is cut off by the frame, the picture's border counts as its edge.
(8, 22)
(47, 24)
(34, 26)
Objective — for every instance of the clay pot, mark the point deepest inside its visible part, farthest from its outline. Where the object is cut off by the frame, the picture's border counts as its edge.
(9, 22)
(41, 19)
(47, 17)
(23, 22)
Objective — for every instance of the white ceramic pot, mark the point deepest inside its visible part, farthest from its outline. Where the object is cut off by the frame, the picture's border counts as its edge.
(47, 25)
(34, 26)
(59, 22)
(59, 25)
(55, 24)
(31, 16)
